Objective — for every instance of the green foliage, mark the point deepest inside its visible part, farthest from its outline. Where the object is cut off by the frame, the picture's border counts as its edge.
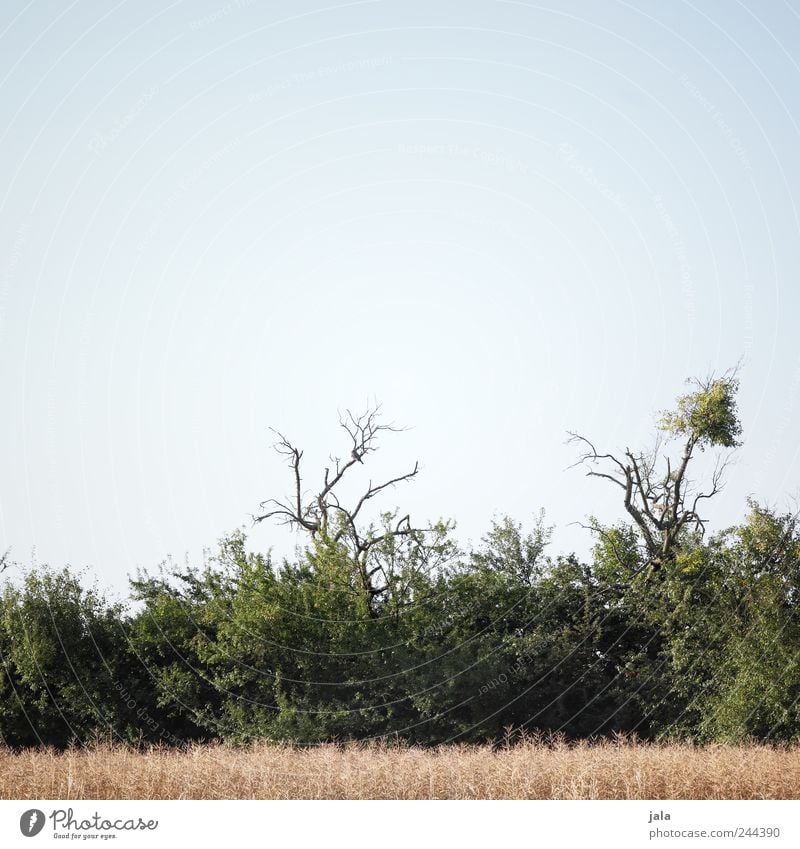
(408, 636)
(464, 646)
(709, 415)
(507, 549)
(62, 654)
(755, 690)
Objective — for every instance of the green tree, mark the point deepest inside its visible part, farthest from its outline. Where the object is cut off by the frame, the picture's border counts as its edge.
(753, 688)
(64, 655)
(658, 494)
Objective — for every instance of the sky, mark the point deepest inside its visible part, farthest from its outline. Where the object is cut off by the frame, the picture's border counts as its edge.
(502, 221)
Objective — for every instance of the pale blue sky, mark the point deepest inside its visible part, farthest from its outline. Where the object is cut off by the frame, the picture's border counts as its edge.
(501, 219)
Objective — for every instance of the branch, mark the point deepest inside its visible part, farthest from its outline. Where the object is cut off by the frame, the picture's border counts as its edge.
(372, 491)
(314, 516)
(592, 456)
(290, 516)
(403, 528)
(293, 455)
(644, 495)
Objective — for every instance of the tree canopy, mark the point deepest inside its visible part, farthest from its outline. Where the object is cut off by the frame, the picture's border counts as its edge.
(384, 628)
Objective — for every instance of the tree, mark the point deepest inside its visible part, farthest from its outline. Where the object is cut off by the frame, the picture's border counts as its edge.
(62, 656)
(753, 690)
(658, 494)
(506, 548)
(180, 612)
(373, 549)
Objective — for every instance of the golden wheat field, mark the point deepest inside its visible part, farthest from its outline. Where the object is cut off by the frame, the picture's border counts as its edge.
(527, 770)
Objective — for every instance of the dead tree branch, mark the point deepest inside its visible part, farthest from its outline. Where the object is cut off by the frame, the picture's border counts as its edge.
(322, 513)
(663, 507)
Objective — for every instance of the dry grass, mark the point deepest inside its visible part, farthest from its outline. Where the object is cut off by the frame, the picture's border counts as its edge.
(528, 770)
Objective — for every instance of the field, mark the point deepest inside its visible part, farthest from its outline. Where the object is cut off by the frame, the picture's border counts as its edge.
(527, 770)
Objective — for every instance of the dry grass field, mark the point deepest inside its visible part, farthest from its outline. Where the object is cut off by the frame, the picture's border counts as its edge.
(528, 770)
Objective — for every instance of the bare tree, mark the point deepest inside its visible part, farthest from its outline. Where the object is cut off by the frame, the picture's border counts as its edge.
(324, 516)
(658, 494)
